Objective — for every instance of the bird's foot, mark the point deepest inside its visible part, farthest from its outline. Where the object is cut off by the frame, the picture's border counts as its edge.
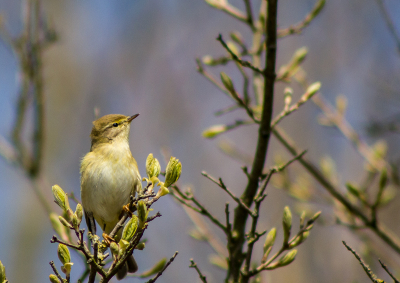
(127, 210)
(108, 239)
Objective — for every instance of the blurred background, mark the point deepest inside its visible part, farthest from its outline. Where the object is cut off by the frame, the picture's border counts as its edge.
(132, 57)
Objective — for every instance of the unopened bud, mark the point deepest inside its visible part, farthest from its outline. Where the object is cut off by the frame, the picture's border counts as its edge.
(383, 179)
(300, 239)
(114, 249)
(270, 239)
(140, 246)
(207, 60)
(311, 90)
(287, 223)
(63, 254)
(300, 55)
(173, 171)
(316, 216)
(287, 258)
(130, 228)
(64, 222)
(79, 213)
(69, 214)
(153, 167)
(232, 46)
(269, 242)
(142, 213)
(60, 197)
(54, 279)
(226, 80)
(213, 131)
(237, 37)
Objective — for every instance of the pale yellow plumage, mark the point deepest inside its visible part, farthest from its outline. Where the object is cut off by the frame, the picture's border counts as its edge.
(109, 173)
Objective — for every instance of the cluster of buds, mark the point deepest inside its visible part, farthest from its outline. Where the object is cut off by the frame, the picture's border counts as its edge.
(72, 219)
(153, 169)
(118, 249)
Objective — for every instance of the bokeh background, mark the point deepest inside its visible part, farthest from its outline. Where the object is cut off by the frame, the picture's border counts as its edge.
(139, 57)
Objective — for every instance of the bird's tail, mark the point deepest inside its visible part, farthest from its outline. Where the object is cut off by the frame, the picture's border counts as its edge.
(130, 266)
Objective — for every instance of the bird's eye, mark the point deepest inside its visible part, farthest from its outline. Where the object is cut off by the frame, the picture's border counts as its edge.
(115, 124)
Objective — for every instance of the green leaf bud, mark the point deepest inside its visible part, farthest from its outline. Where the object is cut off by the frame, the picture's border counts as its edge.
(155, 269)
(69, 215)
(130, 228)
(237, 37)
(311, 90)
(142, 213)
(2, 272)
(207, 60)
(288, 92)
(232, 46)
(302, 219)
(63, 254)
(54, 279)
(60, 197)
(153, 167)
(287, 258)
(140, 246)
(79, 213)
(316, 216)
(268, 244)
(123, 245)
(300, 239)
(383, 179)
(226, 80)
(213, 131)
(64, 222)
(299, 55)
(287, 223)
(114, 249)
(173, 171)
(270, 239)
(353, 189)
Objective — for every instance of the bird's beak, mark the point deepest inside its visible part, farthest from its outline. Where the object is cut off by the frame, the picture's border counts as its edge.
(132, 117)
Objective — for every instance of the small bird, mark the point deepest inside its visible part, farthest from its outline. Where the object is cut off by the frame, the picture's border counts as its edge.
(109, 176)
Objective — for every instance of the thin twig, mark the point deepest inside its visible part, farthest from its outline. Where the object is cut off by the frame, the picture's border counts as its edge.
(221, 184)
(388, 272)
(201, 276)
(164, 268)
(53, 266)
(200, 208)
(244, 63)
(298, 28)
(366, 268)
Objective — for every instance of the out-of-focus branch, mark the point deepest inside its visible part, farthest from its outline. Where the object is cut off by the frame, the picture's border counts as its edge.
(389, 23)
(387, 236)
(298, 28)
(28, 49)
